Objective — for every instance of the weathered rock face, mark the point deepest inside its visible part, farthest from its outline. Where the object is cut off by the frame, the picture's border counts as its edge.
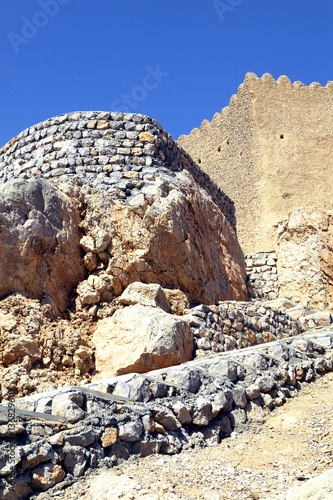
(139, 339)
(39, 351)
(171, 234)
(39, 242)
(305, 258)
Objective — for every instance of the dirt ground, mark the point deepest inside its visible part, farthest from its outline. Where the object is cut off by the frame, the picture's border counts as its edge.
(294, 444)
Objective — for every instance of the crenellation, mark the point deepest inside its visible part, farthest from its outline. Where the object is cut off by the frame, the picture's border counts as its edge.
(270, 150)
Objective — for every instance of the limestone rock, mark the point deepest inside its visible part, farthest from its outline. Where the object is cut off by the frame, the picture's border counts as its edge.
(40, 350)
(139, 339)
(147, 295)
(178, 301)
(39, 242)
(305, 258)
(317, 488)
(179, 240)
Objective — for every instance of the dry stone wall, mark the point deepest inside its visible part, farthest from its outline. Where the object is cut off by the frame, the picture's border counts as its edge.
(165, 411)
(262, 276)
(116, 152)
(235, 325)
(270, 150)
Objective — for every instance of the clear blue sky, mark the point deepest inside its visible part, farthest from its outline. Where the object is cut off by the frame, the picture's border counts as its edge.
(178, 61)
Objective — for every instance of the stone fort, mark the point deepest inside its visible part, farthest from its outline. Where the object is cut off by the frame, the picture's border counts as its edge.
(270, 150)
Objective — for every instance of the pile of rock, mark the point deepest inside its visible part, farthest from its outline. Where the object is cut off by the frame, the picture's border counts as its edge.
(235, 325)
(165, 411)
(40, 351)
(262, 277)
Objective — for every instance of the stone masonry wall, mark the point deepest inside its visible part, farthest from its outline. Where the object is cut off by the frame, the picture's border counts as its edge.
(116, 152)
(270, 150)
(262, 277)
(235, 325)
(164, 411)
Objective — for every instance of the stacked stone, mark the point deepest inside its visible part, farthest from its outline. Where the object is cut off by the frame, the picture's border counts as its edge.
(235, 325)
(117, 152)
(163, 411)
(262, 277)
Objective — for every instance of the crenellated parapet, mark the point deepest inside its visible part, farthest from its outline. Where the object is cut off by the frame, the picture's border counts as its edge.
(270, 150)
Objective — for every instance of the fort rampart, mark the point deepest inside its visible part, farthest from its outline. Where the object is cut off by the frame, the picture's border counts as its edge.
(271, 151)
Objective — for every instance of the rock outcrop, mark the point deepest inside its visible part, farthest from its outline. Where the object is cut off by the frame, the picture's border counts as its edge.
(39, 242)
(305, 258)
(171, 234)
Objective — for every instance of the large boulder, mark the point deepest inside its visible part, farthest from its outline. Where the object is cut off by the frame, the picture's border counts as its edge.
(317, 488)
(305, 258)
(39, 242)
(171, 233)
(139, 339)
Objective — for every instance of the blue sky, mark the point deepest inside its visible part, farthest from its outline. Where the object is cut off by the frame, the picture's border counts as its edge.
(178, 61)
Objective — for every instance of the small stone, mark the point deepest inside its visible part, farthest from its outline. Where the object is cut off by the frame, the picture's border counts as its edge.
(46, 476)
(103, 124)
(117, 159)
(131, 431)
(130, 175)
(109, 437)
(146, 137)
(87, 243)
(92, 124)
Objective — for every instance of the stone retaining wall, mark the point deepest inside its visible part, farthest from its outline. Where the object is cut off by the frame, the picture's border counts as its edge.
(262, 277)
(235, 325)
(116, 152)
(164, 411)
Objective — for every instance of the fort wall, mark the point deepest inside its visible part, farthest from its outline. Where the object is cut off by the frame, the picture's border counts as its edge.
(271, 151)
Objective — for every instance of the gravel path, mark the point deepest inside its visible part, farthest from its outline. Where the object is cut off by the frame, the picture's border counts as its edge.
(294, 444)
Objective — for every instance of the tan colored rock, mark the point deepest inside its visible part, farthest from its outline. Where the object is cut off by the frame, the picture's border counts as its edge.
(305, 258)
(109, 437)
(92, 124)
(39, 242)
(114, 487)
(317, 488)
(177, 300)
(103, 124)
(147, 295)
(8, 322)
(20, 347)
(146, 137)
(174, 236)
(139, 339)
(131, 175)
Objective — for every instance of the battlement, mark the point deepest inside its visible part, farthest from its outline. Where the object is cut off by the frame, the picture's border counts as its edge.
(270, 150)
(116, 152)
